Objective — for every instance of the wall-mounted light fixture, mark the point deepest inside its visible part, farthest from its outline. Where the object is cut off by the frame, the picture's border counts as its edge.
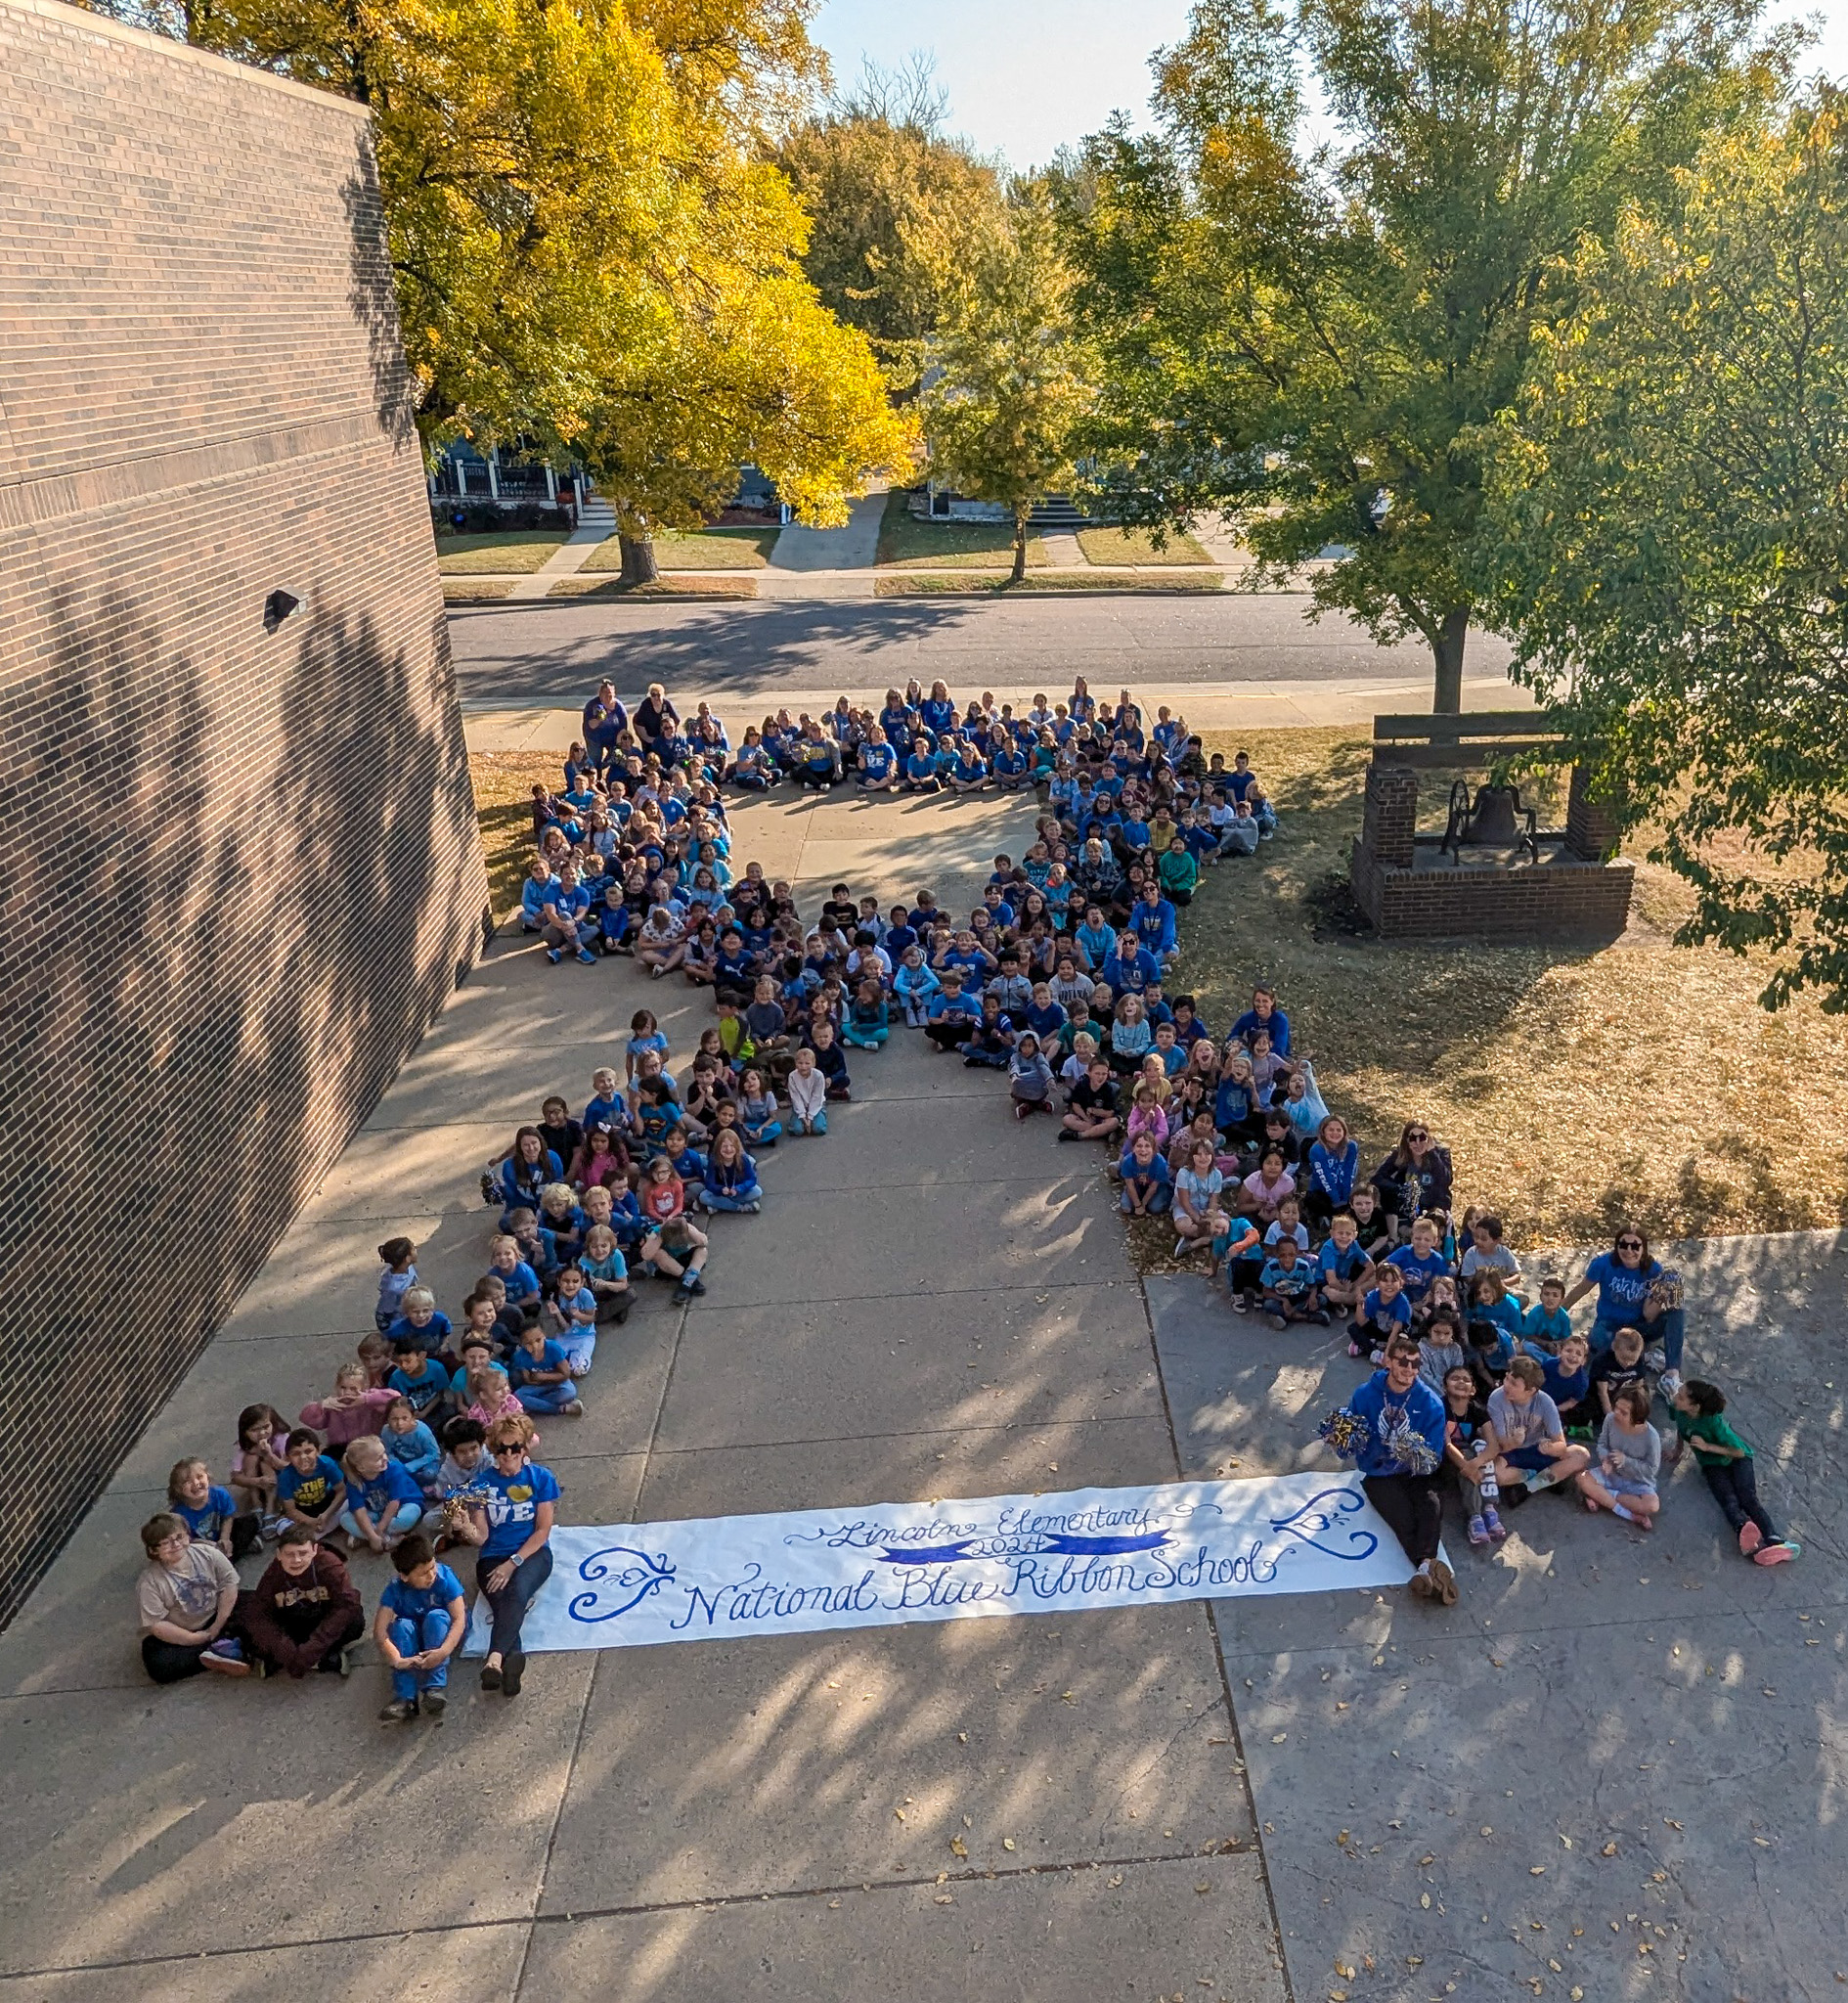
(276, 607)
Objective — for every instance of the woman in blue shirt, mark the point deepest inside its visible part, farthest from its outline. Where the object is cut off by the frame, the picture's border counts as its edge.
(936, 712)
(510, 1527)
(1635, 1291)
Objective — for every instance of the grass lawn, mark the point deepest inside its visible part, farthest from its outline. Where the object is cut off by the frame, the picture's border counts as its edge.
(505, 550)
(974, 584)
(667, 585)
(706, 548)
(1574, 1086)
(905, 540)
(474, 591)
(504, 783)
(1133, 546)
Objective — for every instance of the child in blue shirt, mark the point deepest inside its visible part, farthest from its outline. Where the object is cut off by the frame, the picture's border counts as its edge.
(1419, 1262)
(538, 1373)
(1385, 1311)
(1567, 1381)
(310, 1488)
(516, 1275)
(209, 1512)
(411, 1444)
(419, 1380)
(1546, 1324)
(400, 1262)
(383, 1501)
(420, 1622)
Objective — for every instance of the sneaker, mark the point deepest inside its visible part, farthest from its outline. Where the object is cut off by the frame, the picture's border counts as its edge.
(1750, 1536)
(695, 1284)
(1655, 1359)
(1065, 1133)
(511, 1671)
(1180, 1248)
(1376, 1358)
(1443, 1581)
(1479, 1530)
(490, 1191)
(434, 1705)
(1268, 835)
(1278, 1322)
(347, 1654)
(226, 1658)
(1780, 1553)
(399, 1711)
(573, 1410)
(1671, 1385)
(1492, 1522)
(554, 953)
(1421, 1582)
(587, 957)
(1355, 1349)
(752, 1208)
(1240, 1305)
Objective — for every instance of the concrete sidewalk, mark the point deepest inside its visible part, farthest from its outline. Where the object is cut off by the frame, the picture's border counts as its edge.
(933, 1302)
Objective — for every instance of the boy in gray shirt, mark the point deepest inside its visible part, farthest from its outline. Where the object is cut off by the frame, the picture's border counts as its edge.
(1529, 1437)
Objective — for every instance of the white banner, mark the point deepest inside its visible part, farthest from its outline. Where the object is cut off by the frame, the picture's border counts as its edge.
(630, 1585)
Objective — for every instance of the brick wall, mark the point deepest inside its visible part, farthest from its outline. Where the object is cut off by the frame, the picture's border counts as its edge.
(238, 870)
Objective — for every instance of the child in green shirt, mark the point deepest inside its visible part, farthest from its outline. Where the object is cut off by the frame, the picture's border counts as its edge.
(1725, 1462)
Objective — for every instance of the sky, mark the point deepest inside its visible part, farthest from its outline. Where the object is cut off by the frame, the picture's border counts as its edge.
(1024, 76)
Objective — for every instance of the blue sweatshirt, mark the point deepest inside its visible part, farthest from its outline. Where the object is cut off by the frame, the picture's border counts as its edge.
(1421, 1407)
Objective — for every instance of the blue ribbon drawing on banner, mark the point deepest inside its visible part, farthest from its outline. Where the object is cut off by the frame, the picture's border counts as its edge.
(637, 1580)
(1323, 1512)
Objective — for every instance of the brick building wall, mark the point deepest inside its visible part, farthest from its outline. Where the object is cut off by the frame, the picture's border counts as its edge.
(238, 868)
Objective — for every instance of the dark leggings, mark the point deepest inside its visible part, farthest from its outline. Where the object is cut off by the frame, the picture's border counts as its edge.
(510, 1603)
(1413, 1507)
(1736, 1489)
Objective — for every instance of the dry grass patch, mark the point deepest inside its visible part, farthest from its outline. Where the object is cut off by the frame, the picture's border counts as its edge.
(973, 584)
(742, 548)
(582, 585)
(1137, 546)
(1573, 1085)
(504, 783)
(474, 591)
(508, 550)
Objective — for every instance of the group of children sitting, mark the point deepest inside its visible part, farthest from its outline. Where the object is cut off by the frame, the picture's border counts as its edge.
(1058, 977)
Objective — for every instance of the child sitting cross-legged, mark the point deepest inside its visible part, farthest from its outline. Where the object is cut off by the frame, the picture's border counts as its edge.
(1727, 1466)
(1030, 1079)
(304, 1613)
(1623, 1477)
(1529, 1435)
(411, 1444)
(311, 1489)
(541, 1375)
(808, 1093)
(383, 1502)
(1288, 1283)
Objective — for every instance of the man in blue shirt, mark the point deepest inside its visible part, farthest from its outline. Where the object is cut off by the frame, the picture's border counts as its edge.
(1401, 1460)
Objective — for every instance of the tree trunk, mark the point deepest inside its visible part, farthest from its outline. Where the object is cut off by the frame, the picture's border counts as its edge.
(1020, 548)
(639, 564)
(1448, 647)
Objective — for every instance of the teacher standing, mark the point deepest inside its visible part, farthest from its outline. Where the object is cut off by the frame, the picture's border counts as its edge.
(511, 1526)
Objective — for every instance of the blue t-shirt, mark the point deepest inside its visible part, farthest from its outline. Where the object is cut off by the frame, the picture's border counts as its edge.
(1388, 1319)
(1289, 1282)
(412, 1602)
(1339, 1265)
(1621, 1289)
(1563, 1386)
(424, 1389)
(1538, 1325)
(513, 1505)
(205, 1523)
(521, 1364)
(382, 1494)
(313, 1491)
(1419, 1271)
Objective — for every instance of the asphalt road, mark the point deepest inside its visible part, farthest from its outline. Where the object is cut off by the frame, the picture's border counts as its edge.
(554, 651)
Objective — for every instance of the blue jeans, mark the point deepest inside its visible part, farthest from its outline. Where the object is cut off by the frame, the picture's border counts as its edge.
(819, 1125)
(508, 1606)
(413, 1638)
(771, 1129)
(1157, 1201)
(548, 1398)
(401, 1523)
(864, 1038)
(745, 1193)
(1669, 1328)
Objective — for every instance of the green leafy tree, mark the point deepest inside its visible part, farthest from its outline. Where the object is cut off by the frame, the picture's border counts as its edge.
(1668, 538)
(874, 169)
(1307, 339)
(1008, 383)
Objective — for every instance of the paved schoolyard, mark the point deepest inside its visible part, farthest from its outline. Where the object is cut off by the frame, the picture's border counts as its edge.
(934, 1302)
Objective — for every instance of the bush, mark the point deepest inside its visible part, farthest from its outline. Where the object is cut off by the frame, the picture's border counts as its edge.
(482, 517)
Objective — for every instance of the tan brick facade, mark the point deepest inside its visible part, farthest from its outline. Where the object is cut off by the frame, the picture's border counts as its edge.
(240, 868)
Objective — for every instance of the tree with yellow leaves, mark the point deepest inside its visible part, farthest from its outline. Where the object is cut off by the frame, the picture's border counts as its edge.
(589, 248)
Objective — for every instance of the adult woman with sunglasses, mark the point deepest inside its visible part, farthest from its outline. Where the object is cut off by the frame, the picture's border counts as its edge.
(512, 1527)
(1634, 1291)
(1413, 1178)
